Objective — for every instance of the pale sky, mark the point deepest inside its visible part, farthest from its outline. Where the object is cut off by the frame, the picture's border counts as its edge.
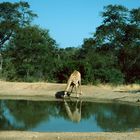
(70, 21)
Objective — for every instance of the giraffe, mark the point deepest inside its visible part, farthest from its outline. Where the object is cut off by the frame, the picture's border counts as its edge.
(74, 81)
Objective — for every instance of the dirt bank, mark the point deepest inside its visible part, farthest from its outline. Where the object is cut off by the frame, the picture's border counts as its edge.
(18, 135)
(46, 91)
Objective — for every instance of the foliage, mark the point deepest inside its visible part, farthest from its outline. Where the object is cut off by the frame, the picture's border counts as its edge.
(117, 44)
(111, 55)
(12, 17)
(31, 52)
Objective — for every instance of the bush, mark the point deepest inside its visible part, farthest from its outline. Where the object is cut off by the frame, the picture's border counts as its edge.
(106, 75)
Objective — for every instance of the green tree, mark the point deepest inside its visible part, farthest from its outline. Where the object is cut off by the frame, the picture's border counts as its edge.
(113, 50)
(32, 53)
(114, 21)
(12, 17)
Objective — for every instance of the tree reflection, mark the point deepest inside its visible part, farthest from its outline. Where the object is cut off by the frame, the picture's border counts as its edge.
(25, 115)
(4, 123)
(117, 117)
(28, 113)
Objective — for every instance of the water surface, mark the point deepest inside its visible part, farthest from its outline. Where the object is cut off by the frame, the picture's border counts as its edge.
(67, 116)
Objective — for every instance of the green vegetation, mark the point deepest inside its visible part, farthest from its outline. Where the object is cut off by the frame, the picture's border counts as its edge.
(111, 55)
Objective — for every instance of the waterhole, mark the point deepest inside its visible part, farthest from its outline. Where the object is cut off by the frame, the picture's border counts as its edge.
(67, 116)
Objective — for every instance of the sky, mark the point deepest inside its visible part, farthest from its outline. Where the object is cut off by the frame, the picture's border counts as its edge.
(70, 21)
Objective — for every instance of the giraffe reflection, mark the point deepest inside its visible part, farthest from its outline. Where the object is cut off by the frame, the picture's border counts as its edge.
(75, 115)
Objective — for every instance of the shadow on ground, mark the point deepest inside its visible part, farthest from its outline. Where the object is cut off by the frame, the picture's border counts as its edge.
(59, 95)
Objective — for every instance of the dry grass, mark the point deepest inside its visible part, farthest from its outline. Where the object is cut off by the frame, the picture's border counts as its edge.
(43, 85)
(127, 88)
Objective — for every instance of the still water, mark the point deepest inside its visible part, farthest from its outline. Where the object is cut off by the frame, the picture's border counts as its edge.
(67, 116)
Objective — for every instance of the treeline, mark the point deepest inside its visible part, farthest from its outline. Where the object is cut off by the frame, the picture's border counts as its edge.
(29, 53)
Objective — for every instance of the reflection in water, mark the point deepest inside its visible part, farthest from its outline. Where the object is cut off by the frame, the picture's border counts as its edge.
(60, 115)
(74, 116)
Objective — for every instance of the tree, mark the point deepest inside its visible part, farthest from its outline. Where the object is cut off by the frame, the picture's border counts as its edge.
(114, 21)
(12, 17)
(32, 53)
(112, 52)
(129, 54)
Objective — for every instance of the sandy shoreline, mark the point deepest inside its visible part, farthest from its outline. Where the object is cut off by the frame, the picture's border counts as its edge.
(47, 91)
(18, 135)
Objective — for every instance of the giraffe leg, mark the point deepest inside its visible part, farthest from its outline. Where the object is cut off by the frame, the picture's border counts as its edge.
(77, 95)
(69, 93)
(72, 88)
(67, 88)
(80, 87)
